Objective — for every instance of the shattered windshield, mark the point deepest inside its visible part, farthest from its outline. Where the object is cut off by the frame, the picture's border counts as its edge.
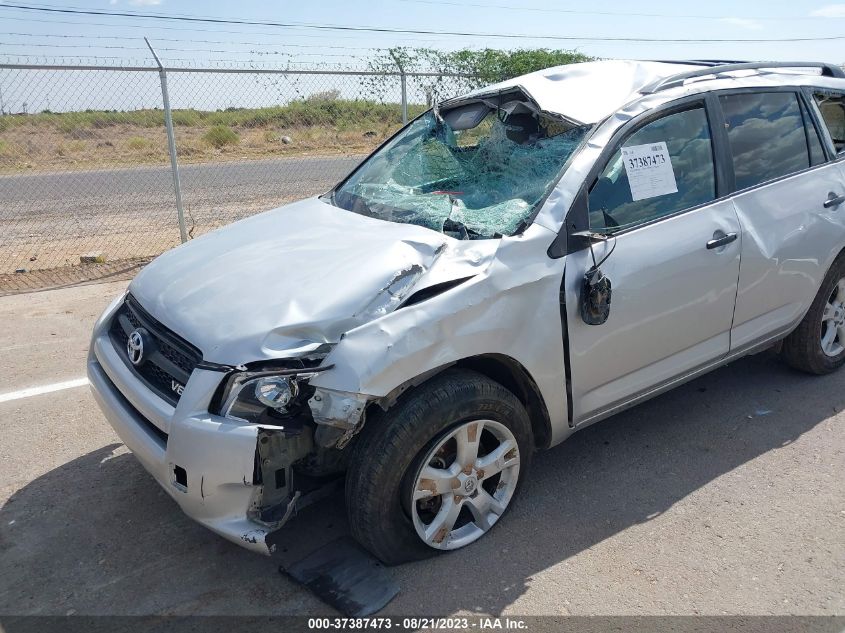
(474, 172)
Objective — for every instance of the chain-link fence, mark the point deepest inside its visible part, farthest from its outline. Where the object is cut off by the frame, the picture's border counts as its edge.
(85, 169)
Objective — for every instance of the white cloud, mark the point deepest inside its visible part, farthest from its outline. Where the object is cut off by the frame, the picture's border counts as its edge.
(744, 23)
(145, 3)
(830, 11)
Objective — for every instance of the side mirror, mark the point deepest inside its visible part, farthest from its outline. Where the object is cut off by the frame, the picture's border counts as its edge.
(596, 289)
(595, 297)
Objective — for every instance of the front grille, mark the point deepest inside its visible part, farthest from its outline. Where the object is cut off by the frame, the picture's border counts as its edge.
(170, 360)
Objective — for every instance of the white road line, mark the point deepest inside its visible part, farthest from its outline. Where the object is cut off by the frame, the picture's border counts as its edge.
(37, 391)
(60, 341)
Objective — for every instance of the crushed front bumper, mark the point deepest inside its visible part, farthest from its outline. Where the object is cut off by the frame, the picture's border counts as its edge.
(206, 463)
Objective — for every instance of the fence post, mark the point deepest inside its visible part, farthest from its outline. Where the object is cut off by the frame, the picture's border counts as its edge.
(402, 78)
(171, 145)
(404, 84)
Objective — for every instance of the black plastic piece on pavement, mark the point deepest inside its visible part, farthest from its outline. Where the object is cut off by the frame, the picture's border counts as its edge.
(345, 576)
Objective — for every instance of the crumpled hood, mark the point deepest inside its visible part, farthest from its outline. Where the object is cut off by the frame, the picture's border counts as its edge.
(291, 277)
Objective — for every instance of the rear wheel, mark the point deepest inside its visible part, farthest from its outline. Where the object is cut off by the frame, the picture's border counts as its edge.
(818, 344)
(438, 470)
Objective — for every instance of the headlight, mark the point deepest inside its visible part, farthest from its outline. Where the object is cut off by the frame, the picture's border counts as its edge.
(265, 398)
(391, 296)
(275, 392)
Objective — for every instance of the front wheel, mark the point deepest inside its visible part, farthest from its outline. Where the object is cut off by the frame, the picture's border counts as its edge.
(437, 471)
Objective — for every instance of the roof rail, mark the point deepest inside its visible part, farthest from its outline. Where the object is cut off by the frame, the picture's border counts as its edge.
(828, 70)
(698, 62)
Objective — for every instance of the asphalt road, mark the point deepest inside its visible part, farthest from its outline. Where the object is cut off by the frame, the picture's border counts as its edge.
(724, 496)
(128, 212)
(223, 181)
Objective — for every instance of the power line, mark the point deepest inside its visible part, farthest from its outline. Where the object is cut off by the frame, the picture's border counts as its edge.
(605, 13)
(158, 27)
(373, 29)
(185, 50)
(184, 41)
(493, 6)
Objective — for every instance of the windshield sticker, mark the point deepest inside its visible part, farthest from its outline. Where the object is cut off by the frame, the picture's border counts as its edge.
(649, 170)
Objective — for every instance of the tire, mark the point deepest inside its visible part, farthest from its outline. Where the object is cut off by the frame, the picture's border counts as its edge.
(806, 348)
(386, 466)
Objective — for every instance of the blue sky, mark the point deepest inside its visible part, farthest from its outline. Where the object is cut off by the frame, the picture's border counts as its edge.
(53, 35)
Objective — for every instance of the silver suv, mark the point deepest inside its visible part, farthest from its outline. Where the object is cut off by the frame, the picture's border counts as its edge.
(510, 267)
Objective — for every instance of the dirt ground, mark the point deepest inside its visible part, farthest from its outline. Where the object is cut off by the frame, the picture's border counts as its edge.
(29, 148)
(724, 496)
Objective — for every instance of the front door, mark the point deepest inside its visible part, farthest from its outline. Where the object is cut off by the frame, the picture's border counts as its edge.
(674, 267)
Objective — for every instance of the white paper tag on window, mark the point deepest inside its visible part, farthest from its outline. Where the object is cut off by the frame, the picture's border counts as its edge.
(649, 170)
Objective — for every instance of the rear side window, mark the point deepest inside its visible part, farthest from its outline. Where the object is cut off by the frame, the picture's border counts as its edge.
(618, 202)
(767, 136)
(832, 106)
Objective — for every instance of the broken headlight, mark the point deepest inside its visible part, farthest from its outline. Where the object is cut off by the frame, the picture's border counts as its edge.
(266, 397)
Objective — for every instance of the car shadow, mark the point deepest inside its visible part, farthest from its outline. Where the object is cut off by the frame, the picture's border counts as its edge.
(97, 535)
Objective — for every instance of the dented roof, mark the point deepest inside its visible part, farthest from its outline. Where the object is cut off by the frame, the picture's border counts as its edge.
(590, 92)
(593, 90)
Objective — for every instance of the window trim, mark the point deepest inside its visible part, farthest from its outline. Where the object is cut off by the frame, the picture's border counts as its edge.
(809, 120)
(581, 206)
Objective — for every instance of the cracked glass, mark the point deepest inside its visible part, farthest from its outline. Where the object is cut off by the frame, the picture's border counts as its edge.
(481, 181)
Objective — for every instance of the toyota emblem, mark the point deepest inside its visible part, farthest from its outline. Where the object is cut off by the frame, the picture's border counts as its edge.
(135, 347)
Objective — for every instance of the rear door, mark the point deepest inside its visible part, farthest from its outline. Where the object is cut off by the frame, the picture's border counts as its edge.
(783, 180)
(674, 286)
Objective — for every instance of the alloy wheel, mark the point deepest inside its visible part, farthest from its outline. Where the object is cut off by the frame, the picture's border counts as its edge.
(833, 321)
(465, 483)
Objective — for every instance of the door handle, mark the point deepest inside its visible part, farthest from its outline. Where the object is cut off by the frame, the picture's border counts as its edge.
(721, 241)
(833, 200)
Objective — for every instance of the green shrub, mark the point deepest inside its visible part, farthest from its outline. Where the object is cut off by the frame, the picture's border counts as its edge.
(137, 143)
(186, 118)
(220, 136)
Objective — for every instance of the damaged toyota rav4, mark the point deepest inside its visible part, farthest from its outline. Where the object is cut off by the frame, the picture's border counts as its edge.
(510, 267)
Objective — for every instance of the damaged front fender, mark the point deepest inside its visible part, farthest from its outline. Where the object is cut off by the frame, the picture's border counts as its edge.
(339, 409)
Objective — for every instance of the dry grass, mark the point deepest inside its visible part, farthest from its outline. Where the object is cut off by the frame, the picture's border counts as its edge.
(92, 140)
(30, 148)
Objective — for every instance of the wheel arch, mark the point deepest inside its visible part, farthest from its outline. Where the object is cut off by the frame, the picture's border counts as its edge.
(506, 371)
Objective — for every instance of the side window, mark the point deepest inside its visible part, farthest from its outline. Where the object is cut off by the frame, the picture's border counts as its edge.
(832, 106)
(767, 136)
(673, 171)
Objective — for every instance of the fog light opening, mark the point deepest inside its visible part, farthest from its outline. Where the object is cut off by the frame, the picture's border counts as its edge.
(180, 477)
